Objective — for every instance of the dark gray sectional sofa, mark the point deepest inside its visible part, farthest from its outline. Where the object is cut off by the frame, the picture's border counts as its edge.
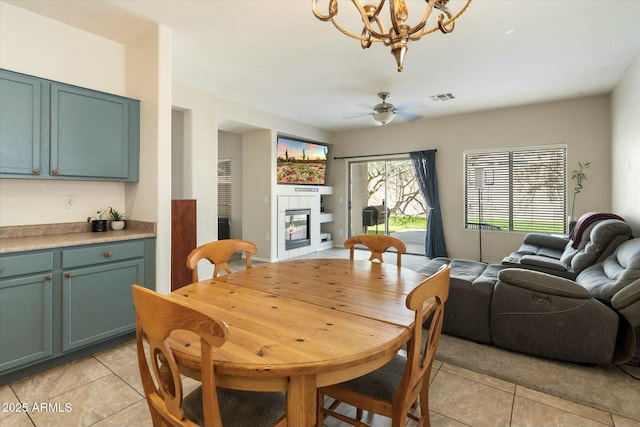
(588, 318)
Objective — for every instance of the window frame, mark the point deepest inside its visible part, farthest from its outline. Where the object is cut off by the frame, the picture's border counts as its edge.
(225, 180)
(537, 204)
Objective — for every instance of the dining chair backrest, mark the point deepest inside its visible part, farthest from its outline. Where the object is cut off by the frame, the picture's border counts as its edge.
(377, 244)
(404, 380)
(218, 253)
(156, 317)
(426, 300)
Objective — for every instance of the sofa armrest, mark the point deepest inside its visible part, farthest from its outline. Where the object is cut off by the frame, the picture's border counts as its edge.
(543, 282)
(546, 240)
(543, 262)
(627, 302)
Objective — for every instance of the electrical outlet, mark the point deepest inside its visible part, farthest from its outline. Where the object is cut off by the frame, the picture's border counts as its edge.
(70, 202)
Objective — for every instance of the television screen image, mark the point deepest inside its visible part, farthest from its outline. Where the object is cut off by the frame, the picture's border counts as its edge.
(301, 162)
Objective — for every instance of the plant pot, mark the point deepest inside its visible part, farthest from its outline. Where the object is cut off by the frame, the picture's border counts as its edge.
(98, 225)
(117, 225)
(571, 222)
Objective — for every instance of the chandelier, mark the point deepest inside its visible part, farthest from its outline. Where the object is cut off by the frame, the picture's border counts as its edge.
(400, 32)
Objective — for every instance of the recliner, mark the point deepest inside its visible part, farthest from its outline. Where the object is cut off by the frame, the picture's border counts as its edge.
(589, 320)
(562, 257)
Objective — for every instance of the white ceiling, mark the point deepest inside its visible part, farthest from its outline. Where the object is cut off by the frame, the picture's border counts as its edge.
(275, 56)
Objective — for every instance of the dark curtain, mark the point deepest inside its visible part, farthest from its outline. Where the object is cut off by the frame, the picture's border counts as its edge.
(424, 164)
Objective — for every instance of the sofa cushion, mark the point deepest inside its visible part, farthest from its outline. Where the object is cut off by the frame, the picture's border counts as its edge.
(467, 310)
(431, 266)
(543, 283)
(605, 279)
(466, 270)
(605, 237)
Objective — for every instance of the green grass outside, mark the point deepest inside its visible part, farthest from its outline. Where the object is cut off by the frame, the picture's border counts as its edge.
(400, 223)
(528, 226)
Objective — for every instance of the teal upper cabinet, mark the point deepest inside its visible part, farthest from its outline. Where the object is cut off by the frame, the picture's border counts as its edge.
(20, 124)
(80, 133)
(91, 133)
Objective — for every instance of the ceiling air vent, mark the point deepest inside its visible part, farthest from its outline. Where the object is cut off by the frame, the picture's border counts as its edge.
(443, 97)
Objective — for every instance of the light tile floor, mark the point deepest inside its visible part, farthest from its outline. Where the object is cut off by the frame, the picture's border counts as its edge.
(104, 390)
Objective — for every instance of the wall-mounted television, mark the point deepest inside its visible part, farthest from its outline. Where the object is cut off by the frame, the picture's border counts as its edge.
(301, 162)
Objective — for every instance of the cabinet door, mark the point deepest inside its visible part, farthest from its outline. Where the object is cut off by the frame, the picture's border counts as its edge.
(89, 133)
(20, 126)
(26, 320)
(97, 302)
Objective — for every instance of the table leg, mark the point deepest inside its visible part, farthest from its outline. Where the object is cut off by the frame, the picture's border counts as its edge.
(302, 401)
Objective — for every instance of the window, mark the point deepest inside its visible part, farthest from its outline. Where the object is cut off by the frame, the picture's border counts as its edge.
(224, 188)
(522, 189)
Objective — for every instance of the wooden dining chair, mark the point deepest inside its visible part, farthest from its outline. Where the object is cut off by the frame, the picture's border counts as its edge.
(157, 316)
(377, 244)
(218, 253)
(393, 389)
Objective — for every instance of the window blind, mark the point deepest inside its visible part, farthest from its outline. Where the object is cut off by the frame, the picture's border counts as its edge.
(523, 189)
(224, 188)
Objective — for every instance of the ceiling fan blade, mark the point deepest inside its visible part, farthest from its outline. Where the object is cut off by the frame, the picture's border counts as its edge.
(405, 115)
(411, 105)
(357, 116)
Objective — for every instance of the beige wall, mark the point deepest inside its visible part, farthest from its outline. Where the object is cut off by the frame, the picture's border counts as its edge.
(230, 147)
(582, 124)
(259, 201)
(142, 69)
(39, 46)
(626, 147)
(48, 52)
(200, 151)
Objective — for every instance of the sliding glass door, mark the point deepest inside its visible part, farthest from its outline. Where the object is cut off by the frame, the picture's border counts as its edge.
(384, 198)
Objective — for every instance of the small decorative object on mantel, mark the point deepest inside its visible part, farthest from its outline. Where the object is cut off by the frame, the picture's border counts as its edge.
(578, 175)
(98, 224)
(117, 219)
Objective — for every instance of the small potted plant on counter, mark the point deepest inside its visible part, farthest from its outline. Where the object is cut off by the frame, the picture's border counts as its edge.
(117, 219)
(98, 223)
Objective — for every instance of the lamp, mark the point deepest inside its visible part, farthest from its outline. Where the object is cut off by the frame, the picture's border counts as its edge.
(384, 117)
(384, 112)
(479, 185)
(400, 32)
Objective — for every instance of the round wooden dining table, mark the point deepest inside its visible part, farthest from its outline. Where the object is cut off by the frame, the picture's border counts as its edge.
(301, 324)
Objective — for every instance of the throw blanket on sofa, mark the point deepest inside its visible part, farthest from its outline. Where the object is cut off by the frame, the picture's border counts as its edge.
(585, 221)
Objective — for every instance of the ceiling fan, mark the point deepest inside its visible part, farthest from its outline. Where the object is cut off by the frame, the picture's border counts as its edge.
(385, 112)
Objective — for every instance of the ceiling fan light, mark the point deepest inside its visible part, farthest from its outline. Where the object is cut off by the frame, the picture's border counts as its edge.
(384, 117)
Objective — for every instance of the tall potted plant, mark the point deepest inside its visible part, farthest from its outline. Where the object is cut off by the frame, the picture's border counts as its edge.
(578, 175)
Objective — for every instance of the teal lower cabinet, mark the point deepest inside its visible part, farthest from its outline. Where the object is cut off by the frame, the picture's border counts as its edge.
(26, 309)
(96, 300)
(65, 303)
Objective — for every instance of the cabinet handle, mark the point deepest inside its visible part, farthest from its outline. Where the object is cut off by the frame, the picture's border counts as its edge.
(55, 171)
(67, 274)
(36, 171)
(47, 277)
(107, 254)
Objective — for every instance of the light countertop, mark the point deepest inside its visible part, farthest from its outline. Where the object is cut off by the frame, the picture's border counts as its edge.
(64, 236)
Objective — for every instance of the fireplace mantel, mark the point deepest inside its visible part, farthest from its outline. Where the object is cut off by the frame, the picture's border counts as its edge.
(300, 197)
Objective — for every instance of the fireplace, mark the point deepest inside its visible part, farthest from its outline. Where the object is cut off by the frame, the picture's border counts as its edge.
(296, 228)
